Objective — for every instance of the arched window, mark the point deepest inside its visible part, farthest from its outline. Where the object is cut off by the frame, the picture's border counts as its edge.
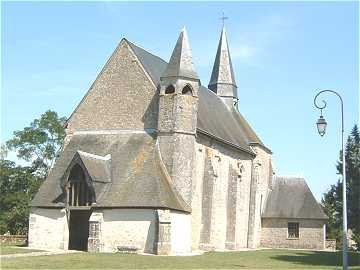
(170, 90)
(187, 90)
(79, 193)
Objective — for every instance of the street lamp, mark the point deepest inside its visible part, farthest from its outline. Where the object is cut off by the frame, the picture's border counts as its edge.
(321, 126)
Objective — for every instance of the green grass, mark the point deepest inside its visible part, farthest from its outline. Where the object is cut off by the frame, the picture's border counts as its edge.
(262, 259)
(6, 249)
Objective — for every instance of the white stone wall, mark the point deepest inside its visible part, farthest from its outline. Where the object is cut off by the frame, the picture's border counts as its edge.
(180, 233)
(275, 234)
(262, 177)
(222, 159)
(196, 199)
(48, 229)
(242, 207)
(128, 227)
(220, 163)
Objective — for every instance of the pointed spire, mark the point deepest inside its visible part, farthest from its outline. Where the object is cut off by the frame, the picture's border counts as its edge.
(181, 63)
(222, 72)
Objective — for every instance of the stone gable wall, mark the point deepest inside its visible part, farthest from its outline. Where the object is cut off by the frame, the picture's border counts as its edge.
(275, 234)
(122, 97)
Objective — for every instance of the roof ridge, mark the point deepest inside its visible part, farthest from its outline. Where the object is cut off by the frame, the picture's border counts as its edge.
(90, 155)
(142, 48)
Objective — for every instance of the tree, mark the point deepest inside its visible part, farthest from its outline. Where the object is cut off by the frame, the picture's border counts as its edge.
(17, 186)
(332, 200)
(40, 142)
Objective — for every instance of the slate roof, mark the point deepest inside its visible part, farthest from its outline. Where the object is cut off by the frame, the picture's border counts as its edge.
(126, 170)
(222, 72)
(292, 198)
(98, 167)
(181, 63)
(137, 173)
(214, 117)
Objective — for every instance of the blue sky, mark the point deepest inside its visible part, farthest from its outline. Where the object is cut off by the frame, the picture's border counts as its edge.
(282, 52)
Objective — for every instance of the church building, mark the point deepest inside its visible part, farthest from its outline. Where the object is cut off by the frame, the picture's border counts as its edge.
(155, 162)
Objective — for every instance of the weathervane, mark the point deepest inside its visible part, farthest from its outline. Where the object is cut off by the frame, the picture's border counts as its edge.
(223, 18)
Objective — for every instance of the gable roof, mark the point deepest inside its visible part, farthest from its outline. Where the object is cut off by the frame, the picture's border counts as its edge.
(292, 198)
(223, 123)
(98, 167)
(136, 173)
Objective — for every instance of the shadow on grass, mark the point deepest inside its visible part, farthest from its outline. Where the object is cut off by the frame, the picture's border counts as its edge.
(319, 258)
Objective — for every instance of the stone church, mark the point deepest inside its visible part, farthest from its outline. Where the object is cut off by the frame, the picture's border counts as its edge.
(155, 162)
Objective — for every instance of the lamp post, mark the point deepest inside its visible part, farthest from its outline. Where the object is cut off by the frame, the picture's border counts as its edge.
(321, 126)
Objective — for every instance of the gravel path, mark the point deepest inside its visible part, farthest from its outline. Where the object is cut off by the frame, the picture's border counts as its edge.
(38, 253)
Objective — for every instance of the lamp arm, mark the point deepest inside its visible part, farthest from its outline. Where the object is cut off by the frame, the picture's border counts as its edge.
(345, 234)
(321, 107)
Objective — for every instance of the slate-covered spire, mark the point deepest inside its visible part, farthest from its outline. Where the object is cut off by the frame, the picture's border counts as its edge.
(181, 63)
(222, 80)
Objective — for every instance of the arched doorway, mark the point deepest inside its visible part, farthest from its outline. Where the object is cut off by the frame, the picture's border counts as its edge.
(80, 197)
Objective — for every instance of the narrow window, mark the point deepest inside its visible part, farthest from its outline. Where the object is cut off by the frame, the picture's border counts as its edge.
(187, 90)
(293, 230)
(79, 194)
(170, 90)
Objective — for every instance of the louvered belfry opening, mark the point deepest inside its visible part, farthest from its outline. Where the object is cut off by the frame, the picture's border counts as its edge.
(78, 192)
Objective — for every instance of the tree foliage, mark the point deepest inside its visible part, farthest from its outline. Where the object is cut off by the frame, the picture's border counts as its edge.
(17, 186)
(38, 144)
(332, 200)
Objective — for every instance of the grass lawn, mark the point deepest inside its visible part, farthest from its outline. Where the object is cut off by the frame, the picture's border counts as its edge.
(14, 249)
(262, 259)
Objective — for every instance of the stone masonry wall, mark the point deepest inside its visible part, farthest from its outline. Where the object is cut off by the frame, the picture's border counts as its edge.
(128, 228)
(261, 182)
(180, 233)
(275, 234)
(104, 106)
(220, 200)
(48, 229)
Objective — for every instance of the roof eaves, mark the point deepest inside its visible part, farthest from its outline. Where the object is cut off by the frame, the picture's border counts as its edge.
(251, 152)
(262, 146)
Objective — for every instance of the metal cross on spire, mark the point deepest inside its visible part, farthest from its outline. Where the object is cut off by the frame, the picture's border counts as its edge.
(223, 18)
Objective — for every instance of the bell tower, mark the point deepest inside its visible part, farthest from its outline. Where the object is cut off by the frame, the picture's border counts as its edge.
(178, 106)
(222, 80)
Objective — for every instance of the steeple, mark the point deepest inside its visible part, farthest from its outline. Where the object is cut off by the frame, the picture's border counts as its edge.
(177, 117)
(181, 64)
(222, 80)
